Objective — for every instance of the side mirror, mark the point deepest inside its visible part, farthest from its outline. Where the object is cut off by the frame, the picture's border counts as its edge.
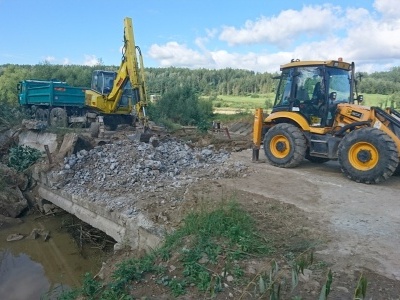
(360, 98)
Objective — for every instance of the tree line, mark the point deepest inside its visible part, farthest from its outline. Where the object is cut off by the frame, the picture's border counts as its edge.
(158, 80)
(162, 80)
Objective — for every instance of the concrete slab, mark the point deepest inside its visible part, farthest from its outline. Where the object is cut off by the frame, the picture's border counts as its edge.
(38, 140)
(136, 232)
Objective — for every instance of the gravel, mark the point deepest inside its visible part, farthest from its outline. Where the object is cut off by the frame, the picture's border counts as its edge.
(123, 174)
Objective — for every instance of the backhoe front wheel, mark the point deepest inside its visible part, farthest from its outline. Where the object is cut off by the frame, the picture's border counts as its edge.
(285, 145)
(368, 155)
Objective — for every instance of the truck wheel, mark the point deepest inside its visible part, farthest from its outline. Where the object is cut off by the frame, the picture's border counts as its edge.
(94, 129)
(285, 145)
(58, 117)
(368, 155)
(40, 114)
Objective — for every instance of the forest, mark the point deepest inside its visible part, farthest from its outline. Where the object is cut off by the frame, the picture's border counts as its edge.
(185, 95)
(205, 82)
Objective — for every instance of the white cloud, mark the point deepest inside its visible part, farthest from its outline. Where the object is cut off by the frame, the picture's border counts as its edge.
(288, 26)
(91, 60)
(388, 8)
(174, 54)
(250, 61)
(50, 59)
(66, 61)
(369, 38)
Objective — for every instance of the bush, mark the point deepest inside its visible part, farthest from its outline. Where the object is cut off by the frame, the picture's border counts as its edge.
(22, 157)
(181, 105)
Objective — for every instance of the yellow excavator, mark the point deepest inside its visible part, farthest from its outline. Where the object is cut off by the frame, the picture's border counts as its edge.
(120, 97)
(317, 115)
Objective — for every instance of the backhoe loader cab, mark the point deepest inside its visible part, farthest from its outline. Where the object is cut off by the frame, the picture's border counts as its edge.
(316, 117)
(309, 87)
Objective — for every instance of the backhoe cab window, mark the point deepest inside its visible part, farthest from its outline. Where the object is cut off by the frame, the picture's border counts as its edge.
(339, 82)
(283, 94)
(305, 84)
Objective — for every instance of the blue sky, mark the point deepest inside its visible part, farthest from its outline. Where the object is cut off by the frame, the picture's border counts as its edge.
(256, 35)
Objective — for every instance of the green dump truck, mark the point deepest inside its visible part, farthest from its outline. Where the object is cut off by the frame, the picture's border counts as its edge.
(53, 101)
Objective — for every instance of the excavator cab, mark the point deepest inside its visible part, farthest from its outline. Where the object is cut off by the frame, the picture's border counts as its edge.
(103, 81)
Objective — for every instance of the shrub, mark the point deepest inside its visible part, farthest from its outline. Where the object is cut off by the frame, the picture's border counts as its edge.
(22, 157)
(181, 105)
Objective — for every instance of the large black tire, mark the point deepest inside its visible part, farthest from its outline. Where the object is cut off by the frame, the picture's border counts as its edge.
(397, 171)
(285, 145)
(368, 155)
(58, 117)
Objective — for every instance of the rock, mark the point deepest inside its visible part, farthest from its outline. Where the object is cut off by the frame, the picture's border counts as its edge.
(132, 167)
(34, 124)
(12, 202)
(101, 273)
(342, 289)
(172, 268)
(305, 276)
(14, 237)
(12, 177)
(48, 208)
(9, 221)
(203, 259)
(154, 141)
(34, 234)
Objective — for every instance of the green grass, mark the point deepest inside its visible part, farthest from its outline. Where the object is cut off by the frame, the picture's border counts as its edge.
(247, 104)
(241, 102)
(209, 245)
(376, 100)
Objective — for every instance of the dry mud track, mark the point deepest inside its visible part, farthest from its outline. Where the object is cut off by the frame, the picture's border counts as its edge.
(362, 221)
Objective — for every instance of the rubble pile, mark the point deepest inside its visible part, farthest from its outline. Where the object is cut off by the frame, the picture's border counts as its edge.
(120, 174)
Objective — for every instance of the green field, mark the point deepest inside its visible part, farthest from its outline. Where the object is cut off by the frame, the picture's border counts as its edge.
(242, 102)
(376, 100)
(224, 103)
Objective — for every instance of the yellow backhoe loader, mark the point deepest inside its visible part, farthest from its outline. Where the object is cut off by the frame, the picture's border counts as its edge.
(318, 116)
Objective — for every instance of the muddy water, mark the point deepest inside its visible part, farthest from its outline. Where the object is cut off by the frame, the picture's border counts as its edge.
(38, 269)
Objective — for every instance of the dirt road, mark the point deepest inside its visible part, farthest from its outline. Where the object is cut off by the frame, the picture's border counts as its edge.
(362, 221)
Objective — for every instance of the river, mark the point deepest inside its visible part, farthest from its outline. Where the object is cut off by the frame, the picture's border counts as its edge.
(39, 269)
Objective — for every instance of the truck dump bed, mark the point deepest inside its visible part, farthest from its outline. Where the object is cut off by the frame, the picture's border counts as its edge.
(50, 93)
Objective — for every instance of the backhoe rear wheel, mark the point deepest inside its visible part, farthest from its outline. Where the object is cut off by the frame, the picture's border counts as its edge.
(368, 155)
(285, 145)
